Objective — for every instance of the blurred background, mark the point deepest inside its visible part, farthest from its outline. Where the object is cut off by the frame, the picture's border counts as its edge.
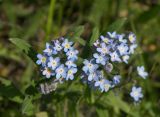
(38, 21)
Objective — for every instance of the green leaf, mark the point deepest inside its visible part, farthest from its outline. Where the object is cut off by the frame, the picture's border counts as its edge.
(119, 104)
(25, 47)
(8, 90)
(27, 106)
(149, 14)
(102, 113)
(94, 37)
(75, 34)
(117, 25)
(21, 44)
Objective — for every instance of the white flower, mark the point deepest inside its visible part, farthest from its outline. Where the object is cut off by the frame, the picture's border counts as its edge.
(136, 93)
(141, 72)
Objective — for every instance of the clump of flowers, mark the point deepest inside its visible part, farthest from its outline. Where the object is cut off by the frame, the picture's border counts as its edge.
(58, 60)
(110, 49)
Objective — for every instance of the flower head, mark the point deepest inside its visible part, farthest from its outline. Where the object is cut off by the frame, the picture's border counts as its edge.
(47, 72)
(100, 59)
(72, 54)
(136, 93)
(41, 60)
(89, 66)
(141, 72)
(70, 73)
(67, 45)
(53, 62)
(61, 71)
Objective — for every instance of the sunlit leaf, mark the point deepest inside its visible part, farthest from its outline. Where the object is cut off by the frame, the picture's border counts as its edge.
(95, 35)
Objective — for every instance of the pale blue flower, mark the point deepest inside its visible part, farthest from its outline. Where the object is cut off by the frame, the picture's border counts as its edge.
(105, 39)
(67, 45)
(89, 66)
(103, 49)
(61, 71)
(57, 46)
(132, 37)
(141, 72)
(125, 58)
(47, 72)
(72, 54)
(132, 48)
(103, 84)
(100, 59)
(112, 35)
(49, 50)
(116, 79)
(123, 49)
(92, 76)
(70, 64)
(70, 73)
(53, 62)
(115, 57)
(136, 93)
(41, 60)
(121, 38)
(96, 43)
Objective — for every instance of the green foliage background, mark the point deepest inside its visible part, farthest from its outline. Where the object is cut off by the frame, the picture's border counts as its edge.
(38, 21)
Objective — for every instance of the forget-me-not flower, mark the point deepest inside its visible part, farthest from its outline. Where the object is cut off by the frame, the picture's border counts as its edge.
(132, 37)
(70, 64)
(53, 62)
(47, 72)
(123, 49)
(67, 45)
(141, 72)
(70, 73)
(41, 60)
(115, 57)
(89, 66)
(136, 93)
(72, 54)
(100, 59)
(104, 49)
(61, 71)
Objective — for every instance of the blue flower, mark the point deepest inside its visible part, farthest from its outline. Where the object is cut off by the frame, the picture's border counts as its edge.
(123, 49)
(96, 43)
(115, 57)
(105, 39)
(103, 49)
(53, 62)
(57, 46)
(41, 60)
(61, 72)
(132, 48)
(120, 38)
(70, 64)
(132, 37)
(70, 73)
(47, 72)
(136, 93)
(116, 79)
(141, 72)
(108, 67)
(49, 50)
(112, 35)
(72, 54)
(100, 59)
(125, 58)
(67, 45)
(93, 76)
(103, 84)
(89, 67)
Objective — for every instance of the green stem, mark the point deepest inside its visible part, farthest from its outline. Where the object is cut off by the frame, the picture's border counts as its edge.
(50, 18)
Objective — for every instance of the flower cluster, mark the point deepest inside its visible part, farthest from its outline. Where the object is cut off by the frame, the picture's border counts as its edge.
(58, 59)
(110, 49)
(99, 71)
(115, 47)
